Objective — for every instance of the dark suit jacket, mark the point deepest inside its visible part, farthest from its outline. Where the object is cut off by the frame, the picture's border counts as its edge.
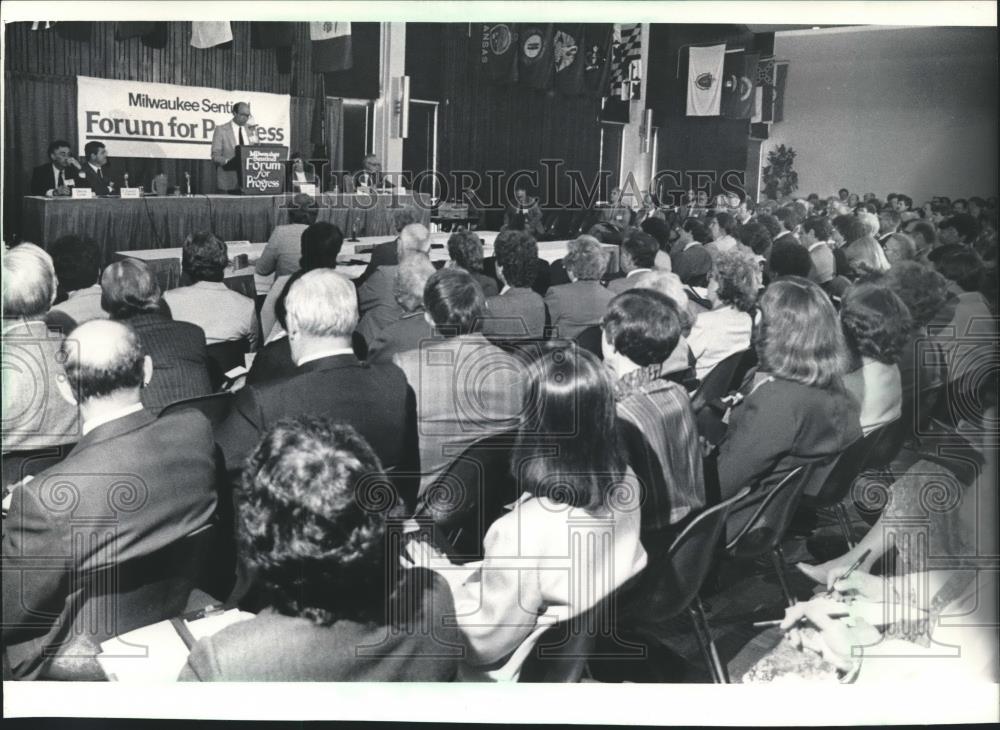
(180, 360)
(276, 648)
(574, 307)
(90, 179)
(374, 399)
(517, 314)
(43, 180)
(154, 479)
(542, 275)
(406, 333)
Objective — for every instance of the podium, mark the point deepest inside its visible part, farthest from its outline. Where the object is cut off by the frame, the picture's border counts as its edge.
(260, 168)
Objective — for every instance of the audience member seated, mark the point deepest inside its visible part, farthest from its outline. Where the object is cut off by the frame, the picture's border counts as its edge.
(876, 327)
(131, 294)
(284, 247)
(34, 416)
(638, 255)
(726, 328)
(899, 247)
(723, 228)
(864, 254)
(692, 233)
(693, 268)
(959, 229)
(790, 220)
(641, 329)
(77, 263)
(788, 259)
(797, 411)
(387, 253)
(580, 304)
(414, 326)
(516, 312)
(222, 313)
(758, 239)
(154, 477)
(817, 239)
(679, 365)
(584, 491)
(922, 364)
(338, 606)
(466, 388)
(972, 333)
(320, 245)
(377, 302)
(466, 250)
(328, 381)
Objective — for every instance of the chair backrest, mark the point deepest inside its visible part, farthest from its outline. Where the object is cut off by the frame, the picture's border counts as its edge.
(19, 464)
(689, 558)
(114, 600)
(471, 493)
(215, 406)
(758, 522)
(223, 357)
(590, 340)
(719, 380)
(873, 451)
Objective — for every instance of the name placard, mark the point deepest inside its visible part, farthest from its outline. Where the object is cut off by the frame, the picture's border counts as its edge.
(82, 193)
(131, 192)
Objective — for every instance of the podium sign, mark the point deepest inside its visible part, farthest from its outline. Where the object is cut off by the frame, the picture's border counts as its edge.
(261, 168)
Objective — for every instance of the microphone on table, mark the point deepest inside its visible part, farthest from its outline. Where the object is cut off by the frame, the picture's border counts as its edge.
(125, 178)
(187, 183)
(354, 232)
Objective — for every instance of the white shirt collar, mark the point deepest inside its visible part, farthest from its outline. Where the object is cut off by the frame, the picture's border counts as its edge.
(95, 169)
(636, 271)
(92, 289)
(691, 244)
(816, 245)
(332, 352)
(218, 285)
(506, 288)
(93, 423)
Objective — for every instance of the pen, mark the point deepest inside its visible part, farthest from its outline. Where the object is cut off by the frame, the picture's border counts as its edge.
(777, 622)
(854, 566)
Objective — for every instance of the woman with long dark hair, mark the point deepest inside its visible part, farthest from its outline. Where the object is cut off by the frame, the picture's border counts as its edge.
(576, 489)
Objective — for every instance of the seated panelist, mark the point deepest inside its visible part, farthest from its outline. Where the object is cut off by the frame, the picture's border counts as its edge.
(57, 177)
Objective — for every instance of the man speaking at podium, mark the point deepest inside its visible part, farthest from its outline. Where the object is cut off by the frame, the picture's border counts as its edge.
(225, 137)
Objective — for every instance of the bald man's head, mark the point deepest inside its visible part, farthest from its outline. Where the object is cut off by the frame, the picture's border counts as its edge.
(414, 237)
(102, 357)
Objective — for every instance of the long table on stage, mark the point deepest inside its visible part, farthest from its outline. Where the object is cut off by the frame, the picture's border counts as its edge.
(352, 261)
(130, 224)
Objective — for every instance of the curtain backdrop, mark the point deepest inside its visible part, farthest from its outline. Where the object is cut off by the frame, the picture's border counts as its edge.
(39, 109)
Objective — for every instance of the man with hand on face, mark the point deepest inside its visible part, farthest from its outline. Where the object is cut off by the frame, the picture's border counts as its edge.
(95, 173)
(225, 138)
(58, 176)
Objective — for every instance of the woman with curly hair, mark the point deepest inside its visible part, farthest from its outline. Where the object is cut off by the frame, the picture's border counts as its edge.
(312, 531)
(876, 326)
(797, 411)
(581, 303)
(726, 328)
(575, 486)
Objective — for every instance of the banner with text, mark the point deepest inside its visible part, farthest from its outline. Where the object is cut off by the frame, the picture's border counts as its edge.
(142, 119)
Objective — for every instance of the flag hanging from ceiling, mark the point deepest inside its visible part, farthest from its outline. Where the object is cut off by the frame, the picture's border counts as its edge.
(331, 46)
(153, 33)
(739, 76)
(780, 77)
(277, 35)
(534, 55)
(210, 34)
(568, 57)
(769, 94)
(498, 52)
(705, 65)
(597, 58)
(41, 24)
(626, 61)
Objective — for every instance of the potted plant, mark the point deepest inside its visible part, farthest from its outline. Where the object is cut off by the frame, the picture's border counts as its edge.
(780, 180)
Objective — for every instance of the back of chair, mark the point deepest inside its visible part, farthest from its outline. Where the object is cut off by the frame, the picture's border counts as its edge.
(471, 494)
(224, 356)
(724, 378)
(215, 407)
(19, 464)
(758, 522)
(873, 451)
(117, 599)
(590, 340)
